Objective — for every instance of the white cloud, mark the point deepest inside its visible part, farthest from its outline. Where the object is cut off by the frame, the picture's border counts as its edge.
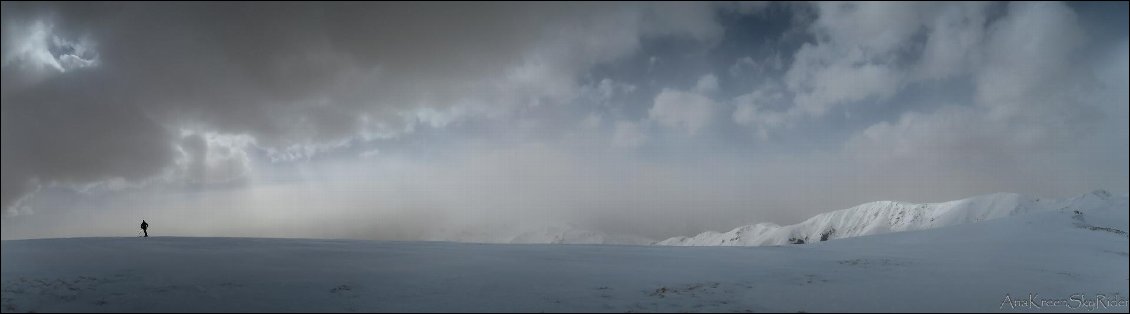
(706, 84)
(741, 64)
(822, 89)
(27, 45)
(607, 89)
(878, 28)
(592, 121)
(628, 134)
(955, 37)
(20, 206)
(855, 55)
(215, 158)
(1027, 56)
(752, 110)
(929, 139)
(1034, 105)
(678, 109)
(868, 51)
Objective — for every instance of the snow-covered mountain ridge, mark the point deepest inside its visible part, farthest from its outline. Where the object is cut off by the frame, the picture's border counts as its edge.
(891, 216)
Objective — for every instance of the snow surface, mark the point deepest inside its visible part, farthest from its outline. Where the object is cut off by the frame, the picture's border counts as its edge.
(1055, 253)
(889, 216)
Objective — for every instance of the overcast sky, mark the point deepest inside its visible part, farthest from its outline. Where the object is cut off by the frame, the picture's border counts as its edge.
(397, 121)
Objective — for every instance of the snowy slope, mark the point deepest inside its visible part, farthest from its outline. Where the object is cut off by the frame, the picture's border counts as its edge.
(1057, 253)
(888, 216)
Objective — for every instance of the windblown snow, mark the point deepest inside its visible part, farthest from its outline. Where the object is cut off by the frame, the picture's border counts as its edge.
(988, 253)
(552, 234)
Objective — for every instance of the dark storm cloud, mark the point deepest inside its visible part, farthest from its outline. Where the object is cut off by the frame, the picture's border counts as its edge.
(82, 79)
(85, 134)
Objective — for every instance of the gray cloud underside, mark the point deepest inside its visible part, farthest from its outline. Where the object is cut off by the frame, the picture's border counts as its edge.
(289, 75)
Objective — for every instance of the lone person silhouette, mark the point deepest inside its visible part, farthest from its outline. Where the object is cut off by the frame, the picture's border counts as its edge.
(145, 227)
